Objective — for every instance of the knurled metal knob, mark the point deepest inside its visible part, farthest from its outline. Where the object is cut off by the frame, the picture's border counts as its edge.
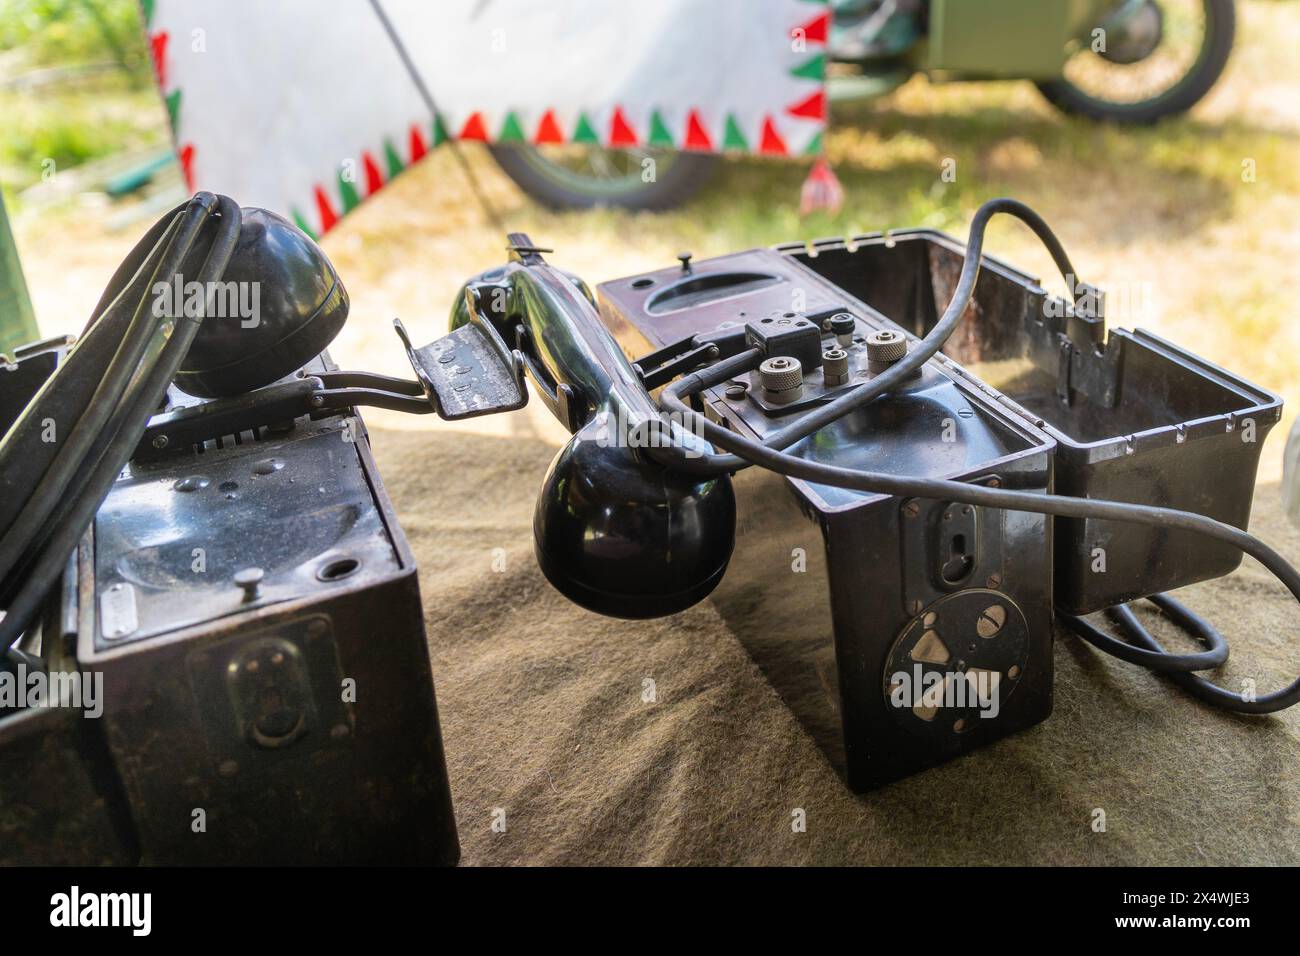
(885, 346)
(781, 378)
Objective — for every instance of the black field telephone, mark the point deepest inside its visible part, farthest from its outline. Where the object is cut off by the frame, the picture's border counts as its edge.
(205, 573)
(891, 461)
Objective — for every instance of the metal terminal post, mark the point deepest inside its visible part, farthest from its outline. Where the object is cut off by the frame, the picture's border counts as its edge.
(835, 367)
(842, 326)
(782, 379)
(884, 348)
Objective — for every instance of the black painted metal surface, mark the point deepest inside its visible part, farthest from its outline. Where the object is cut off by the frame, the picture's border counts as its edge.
(826, 583)
(254, 611)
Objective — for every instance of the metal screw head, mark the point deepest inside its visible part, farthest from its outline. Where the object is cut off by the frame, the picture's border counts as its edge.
(911, 509)
(990, 622)
(995, 580)
(159, 441)
(249, 579)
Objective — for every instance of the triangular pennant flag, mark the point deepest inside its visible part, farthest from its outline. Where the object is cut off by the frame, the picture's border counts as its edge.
(474, 128)
(734, 138)
(659, 135)
(584, 132)
(327, 214)
(374, 179)
(814, 107)
(813, 69)
(821, 191)
(814, 31)
(771, 143)
(511, 131)
(439, 131)
(697, 137)
(814, 146)
(394, 162)
(146, 7)
(620, 131)
(348, 193)
(302, 223)
(173, 106)
(418, 149)
(548, 130)
(187, 165)
(158, 52)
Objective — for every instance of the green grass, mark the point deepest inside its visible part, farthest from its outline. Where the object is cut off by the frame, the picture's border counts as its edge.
(69, 126)
(72, 117)
(63, 32)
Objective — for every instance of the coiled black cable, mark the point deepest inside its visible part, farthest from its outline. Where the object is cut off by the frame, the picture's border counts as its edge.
(1151, 653)
(37, 543)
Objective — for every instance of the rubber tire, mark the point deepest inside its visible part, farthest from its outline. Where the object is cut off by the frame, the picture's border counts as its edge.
(683, 177)
(1220, 29)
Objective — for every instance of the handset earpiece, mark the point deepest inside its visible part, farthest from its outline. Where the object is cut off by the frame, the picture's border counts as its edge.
(614, 531)
(623, 536)
(280, 305)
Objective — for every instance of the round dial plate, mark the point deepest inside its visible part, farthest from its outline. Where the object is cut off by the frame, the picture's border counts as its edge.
(956, 663)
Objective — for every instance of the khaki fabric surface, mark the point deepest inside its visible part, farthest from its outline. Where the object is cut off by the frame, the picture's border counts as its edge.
(543, 718)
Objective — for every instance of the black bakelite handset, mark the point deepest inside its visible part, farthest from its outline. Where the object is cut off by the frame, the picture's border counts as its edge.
(615, 531)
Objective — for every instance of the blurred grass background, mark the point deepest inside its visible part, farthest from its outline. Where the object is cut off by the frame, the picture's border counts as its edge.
(1162, 214)
(75, 85)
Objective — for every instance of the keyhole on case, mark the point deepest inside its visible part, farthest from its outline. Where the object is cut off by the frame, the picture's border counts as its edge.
(959, 562)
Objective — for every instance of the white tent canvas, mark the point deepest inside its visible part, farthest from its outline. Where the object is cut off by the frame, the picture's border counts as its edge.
(307, 108)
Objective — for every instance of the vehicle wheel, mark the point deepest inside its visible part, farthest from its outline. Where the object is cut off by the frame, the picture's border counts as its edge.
(581, 177)
(1161, 62)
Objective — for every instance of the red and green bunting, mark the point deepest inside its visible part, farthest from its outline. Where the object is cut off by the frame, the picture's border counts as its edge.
(377, 169)
(172, 99)
(380, 166)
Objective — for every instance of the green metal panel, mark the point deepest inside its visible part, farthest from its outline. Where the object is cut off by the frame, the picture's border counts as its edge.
(1020, 38)
(17, 323)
